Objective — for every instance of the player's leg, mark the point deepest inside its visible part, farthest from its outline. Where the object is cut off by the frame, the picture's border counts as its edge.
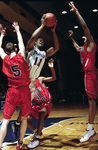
(92, 110)
(42, 115)
(90, 130)
(38, 133)
(25, 109)
(9, 108)
(15, 126)
(34, 113)
(23, 128)
(29, 123)
(90, 86)
(3, 130)
(31, 126)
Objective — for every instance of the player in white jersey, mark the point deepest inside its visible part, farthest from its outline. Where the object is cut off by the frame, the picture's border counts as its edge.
(36, 58)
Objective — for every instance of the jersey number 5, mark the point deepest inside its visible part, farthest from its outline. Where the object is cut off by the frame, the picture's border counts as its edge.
(15, 70)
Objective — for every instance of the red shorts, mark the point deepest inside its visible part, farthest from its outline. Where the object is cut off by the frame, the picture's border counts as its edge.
(91, 84)
(35, 110)
(17, 97)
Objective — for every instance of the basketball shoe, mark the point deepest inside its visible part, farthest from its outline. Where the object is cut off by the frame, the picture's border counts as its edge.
(0, 148)
(88, 135)
(19, 145)
(33, 144)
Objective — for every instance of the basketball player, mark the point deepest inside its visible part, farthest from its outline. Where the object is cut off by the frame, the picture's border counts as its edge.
(42, 105)
(87, 54)
(35, 59)
(18, 93)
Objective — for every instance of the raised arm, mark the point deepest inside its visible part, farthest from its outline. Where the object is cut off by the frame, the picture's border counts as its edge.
(2, 30)
(53, 74)
(84, 26)
(77, 47)
(52, 50)
(2, 53)
(35, 34)
(20, 39)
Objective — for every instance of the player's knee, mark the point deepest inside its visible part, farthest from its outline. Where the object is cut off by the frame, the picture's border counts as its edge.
(91, 100)
(43, 110)
(6, 121)
(29, 118)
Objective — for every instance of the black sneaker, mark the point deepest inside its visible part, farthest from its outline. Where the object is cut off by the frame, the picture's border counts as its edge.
(19, 145)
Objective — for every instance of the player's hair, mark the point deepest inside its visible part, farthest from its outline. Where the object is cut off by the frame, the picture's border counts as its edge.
(39, 38)
(9, 47)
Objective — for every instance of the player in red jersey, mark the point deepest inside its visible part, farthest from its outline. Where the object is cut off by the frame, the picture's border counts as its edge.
(42, 105)
(87, 54)
(18, 93)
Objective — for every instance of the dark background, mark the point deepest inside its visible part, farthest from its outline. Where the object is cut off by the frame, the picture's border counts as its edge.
(69, 86)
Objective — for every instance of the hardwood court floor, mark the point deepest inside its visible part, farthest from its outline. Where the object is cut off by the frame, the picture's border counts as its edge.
(65, 135)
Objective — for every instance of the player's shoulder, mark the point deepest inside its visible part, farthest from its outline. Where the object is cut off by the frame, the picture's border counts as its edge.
(6, 58)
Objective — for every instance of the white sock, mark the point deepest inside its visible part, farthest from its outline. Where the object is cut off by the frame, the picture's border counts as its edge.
(90, 126)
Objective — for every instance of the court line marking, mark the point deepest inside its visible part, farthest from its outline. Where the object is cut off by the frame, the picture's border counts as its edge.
(71, 128)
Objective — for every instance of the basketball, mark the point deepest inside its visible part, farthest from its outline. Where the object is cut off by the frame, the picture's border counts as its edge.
(50, 19)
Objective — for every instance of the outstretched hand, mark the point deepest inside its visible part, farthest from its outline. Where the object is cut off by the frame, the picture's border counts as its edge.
(43, 19)
(73, 8)
(2, 30)
(70, 33)
(16, 26)
(50, 63)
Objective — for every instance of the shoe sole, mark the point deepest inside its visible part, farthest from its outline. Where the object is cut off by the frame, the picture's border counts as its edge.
(89, 138)
(33, 147)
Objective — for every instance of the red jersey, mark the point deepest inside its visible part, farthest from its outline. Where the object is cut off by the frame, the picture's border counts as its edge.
(88, 58)
(42, 94)
(16, 70)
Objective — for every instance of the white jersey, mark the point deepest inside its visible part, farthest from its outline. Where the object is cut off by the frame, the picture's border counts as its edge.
(35, 61)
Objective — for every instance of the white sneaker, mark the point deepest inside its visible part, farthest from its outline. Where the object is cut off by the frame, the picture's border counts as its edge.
(33, 144)
(88, 134)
